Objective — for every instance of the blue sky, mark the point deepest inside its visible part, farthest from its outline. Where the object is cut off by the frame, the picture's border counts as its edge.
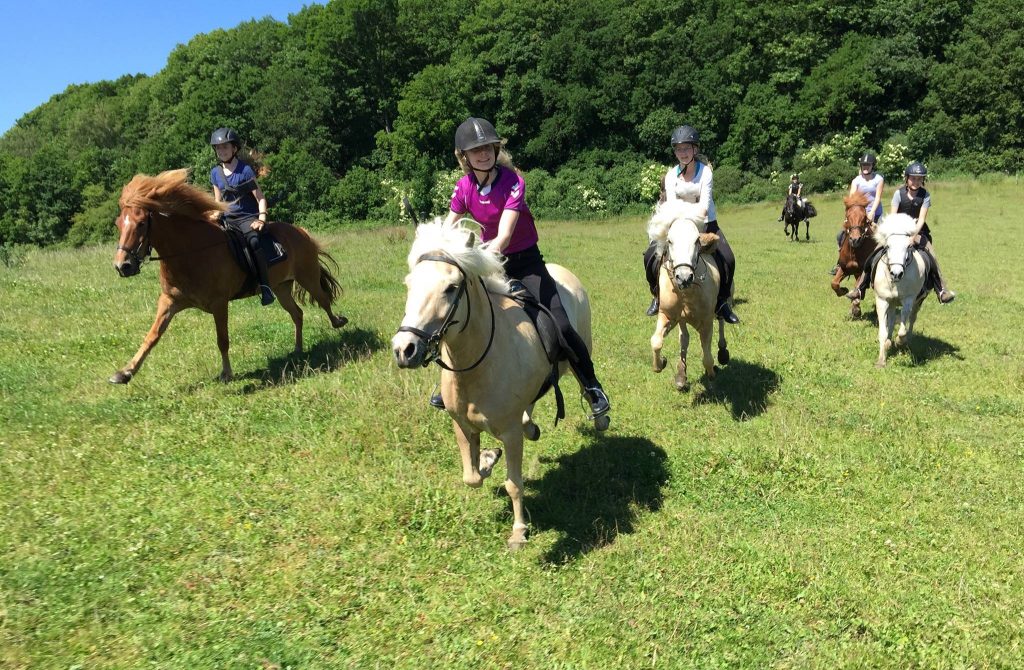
(43, 51)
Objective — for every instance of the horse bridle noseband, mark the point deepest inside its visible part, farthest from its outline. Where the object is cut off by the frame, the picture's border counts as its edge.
(137, 254)
(672, 268)
(906, 258)
(433, 339)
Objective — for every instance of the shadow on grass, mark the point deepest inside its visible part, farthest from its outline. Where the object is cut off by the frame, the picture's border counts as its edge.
(924, 349)
(595, 494)
(327, 355)
(743, 386)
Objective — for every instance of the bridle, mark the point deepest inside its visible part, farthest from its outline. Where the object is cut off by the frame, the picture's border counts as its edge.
(433, 339)
(137, 254)
(692, 267)
(862, 229)
(906, 257)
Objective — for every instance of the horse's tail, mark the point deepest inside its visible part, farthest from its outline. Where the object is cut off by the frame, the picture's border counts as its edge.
(330, 285)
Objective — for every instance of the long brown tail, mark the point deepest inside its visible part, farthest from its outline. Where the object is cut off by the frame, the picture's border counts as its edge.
(328, 283)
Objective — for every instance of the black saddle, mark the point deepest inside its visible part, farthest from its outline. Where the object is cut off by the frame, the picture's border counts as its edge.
(273, 250)
(555, 346)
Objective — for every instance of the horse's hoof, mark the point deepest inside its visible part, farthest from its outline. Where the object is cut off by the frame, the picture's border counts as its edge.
(660, 365)
(682, 386)
(855, 311)
(225, 377)
(339, 321)
(488, 458)
(879, 364)
(840, 290)
(515, 544)
(531, 431)
(602, 422)
(723, 356)
(120, 377)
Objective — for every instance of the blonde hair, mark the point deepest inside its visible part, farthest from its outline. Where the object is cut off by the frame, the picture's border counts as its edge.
(501, 157)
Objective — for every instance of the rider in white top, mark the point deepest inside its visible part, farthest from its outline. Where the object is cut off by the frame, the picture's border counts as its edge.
(870, 183)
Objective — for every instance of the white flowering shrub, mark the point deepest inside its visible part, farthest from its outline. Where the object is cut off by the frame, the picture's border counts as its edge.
(649, 182)
(892, 160)
(841, 147)
(441, 191)
(590, 199)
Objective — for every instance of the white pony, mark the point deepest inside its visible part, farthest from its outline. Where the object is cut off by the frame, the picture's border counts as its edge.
(898, 280)
(688, 284)
(458, 313)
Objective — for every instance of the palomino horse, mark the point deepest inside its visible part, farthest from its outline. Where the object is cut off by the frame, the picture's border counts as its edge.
(197, 268)
(856, 247)
(898, 282)
(792, 214)
(688, 285)
(458, 313)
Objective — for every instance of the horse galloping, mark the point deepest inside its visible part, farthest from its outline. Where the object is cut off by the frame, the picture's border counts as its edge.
(793, 214)
(899, 282)
(687, 293)
(857, 245)
(458, 312)
(197, 268)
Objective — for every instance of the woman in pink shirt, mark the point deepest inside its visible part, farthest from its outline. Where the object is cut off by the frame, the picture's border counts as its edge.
(493, 194)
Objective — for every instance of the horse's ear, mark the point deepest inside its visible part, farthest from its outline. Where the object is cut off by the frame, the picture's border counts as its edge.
(471, 240)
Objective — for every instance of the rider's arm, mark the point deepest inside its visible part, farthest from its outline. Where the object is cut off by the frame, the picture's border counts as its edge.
(895, 206)
(878, 196)
(506, 226)
(216, 193)
(853, 187)
(920, 219)
(261, 203)
(799, 190)
(451, 218)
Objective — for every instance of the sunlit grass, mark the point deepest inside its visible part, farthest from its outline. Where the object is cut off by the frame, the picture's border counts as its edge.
(804, 510)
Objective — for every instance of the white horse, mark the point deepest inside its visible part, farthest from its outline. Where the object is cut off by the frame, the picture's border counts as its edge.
(688, 285)
(458, 313)
(898, 280)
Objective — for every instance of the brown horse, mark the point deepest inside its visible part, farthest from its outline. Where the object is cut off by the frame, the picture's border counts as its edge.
(857, 245)
(197, 267)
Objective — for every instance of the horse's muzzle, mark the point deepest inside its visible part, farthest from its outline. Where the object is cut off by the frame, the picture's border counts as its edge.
(408, 350)
(897, 272)
(683, 279)
(126, 268)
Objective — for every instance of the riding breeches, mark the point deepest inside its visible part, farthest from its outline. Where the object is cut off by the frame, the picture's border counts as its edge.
(723, 257)
(243, 224)
(528, 267)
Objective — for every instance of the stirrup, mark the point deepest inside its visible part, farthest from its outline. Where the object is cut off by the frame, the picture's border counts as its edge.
(267, 297)
(598, 400)
(436, 401)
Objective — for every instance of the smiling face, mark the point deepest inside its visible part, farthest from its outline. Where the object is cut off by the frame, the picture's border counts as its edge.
(482, 158)
(225, 151)
(915, 181)
(684, 152)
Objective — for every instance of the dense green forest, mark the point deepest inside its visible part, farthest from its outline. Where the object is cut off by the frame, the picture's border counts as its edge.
(351, 104)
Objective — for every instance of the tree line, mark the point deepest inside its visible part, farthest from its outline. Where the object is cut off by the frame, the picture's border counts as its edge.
(350, 105)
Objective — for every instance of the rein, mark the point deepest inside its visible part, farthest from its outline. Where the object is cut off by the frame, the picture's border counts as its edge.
(433, 339)
(140, 257)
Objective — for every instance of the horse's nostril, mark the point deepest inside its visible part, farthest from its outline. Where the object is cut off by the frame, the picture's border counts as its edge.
(409, 350)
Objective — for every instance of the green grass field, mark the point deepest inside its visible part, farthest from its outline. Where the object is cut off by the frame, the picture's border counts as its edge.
(805, 510)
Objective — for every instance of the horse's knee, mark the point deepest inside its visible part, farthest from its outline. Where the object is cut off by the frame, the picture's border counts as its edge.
(472, 480)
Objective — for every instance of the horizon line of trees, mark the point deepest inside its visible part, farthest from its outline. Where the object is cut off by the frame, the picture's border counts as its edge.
(353, 104)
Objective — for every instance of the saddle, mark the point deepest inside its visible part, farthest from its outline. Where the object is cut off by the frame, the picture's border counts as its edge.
(272, 249)
(555, 347)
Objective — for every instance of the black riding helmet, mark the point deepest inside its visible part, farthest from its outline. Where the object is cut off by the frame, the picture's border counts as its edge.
(474, 132)
(223, 135)
(916, 169)
(867, 159)
(685, 135)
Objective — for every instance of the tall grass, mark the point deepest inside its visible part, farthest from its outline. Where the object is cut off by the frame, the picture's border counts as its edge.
(803, 510)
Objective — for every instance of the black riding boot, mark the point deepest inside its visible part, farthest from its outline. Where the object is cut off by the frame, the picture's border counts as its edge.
(267, 296)
(652, 265)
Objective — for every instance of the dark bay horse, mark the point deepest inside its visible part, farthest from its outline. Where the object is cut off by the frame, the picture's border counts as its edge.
(858, 243)
(792, 214)
(197, 268)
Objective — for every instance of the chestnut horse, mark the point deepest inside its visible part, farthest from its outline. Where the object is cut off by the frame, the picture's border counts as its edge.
(858, 243)
(458, 313)
(687, 285)
(197, 268)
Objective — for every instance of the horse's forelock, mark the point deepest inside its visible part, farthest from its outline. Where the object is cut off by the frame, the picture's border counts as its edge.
(668, 213)
(451, 240)
(858, 199)
(895, 224)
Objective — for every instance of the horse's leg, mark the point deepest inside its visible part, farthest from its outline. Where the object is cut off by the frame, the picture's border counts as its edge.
(166, 308)
(684, 343)
(309, 279)
(531, 431)
(469, 449)
(906, 310)
(513, 441)
(287, 300)
(807, 229)
(839, 290)
(661, 329)
(220, 319)
(705, 344)
(883, 311)
(723, 346)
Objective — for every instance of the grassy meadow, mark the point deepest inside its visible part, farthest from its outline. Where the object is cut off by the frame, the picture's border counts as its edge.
(804, 510)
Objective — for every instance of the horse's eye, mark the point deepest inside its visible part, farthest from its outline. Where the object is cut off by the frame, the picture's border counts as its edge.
(452, 288)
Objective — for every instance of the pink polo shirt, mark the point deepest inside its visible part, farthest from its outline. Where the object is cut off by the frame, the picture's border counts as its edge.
(508, 191)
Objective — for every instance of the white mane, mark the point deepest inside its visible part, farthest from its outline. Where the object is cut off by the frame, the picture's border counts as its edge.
(895, 224)
(668, 213)
(451, 240)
